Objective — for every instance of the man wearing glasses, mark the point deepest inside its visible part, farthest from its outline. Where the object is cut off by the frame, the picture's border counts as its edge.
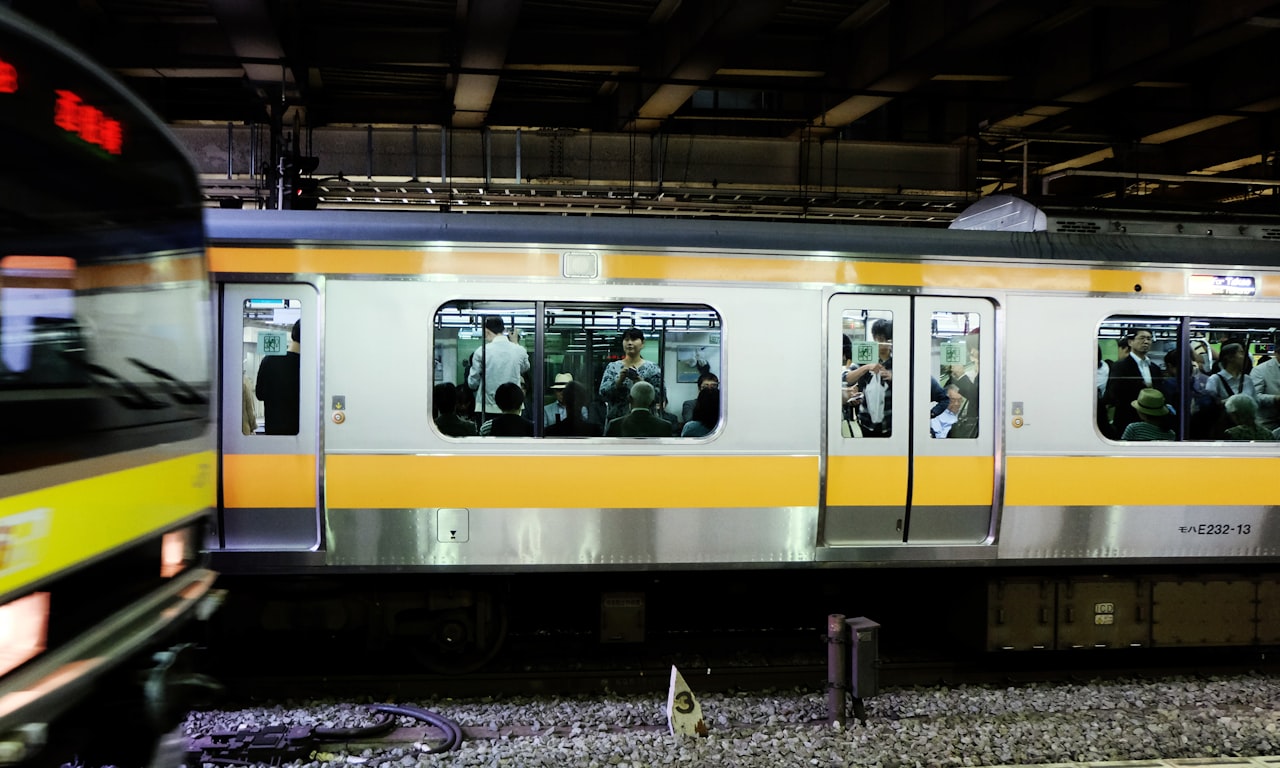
(1129, 376)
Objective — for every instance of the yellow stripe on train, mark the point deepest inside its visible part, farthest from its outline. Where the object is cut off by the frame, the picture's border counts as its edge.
(1104, 481)
(400, 481)
(269, 480)
(44, 532)
(620, 482)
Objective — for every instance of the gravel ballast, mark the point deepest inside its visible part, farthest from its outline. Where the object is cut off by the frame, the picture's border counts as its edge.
(1095, 722)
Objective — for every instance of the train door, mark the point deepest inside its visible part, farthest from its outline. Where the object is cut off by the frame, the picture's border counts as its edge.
(910, 449)
(867, 437)
(270, 425)
(953, 467)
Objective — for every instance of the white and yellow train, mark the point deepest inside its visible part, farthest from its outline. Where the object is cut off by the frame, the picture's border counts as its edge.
(393, 304)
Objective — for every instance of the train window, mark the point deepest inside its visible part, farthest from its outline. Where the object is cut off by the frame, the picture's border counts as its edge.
(954, 407)
(272, 338)
(572, 368)
(482, 369)
(1141, 394)
(866, 377)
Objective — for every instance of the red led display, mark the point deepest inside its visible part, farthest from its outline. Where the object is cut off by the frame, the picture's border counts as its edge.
(88, 122)
(8, 77)
(72, 114)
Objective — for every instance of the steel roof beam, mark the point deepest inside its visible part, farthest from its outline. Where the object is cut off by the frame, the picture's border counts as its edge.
(690, 47)
(897, 49)
(490, 25)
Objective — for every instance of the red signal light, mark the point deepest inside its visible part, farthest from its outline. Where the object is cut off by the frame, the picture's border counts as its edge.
(8, 77)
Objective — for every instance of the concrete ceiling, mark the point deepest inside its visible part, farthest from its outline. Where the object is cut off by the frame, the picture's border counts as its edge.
(1158, 104)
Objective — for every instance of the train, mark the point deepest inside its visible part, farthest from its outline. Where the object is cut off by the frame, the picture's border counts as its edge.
(107, 449)
(1063, 535)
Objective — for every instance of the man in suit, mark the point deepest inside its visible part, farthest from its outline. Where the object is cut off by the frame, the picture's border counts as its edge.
(640, 422)
(1129, 376)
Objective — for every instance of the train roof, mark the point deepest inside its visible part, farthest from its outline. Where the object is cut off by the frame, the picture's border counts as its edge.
(1229, 246)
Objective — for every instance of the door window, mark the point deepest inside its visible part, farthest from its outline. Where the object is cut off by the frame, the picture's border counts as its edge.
(271, 342)
(866, 373)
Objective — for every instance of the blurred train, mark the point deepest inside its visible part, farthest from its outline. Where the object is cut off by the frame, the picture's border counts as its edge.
(1063, 535)
(107, 451)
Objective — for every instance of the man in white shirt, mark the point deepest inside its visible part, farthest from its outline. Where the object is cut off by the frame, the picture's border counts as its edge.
(499, 361)
(1266, 390)
(941, 424)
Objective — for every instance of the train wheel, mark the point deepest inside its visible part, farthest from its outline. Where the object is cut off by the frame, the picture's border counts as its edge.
(457, 633)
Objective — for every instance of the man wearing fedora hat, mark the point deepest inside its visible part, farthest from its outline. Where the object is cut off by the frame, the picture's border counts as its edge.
(1153, 414)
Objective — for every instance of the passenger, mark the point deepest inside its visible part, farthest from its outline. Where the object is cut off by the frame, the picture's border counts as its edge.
(706, 380)
(937, 398)
(1129, 376)
(1198, 400)
(1243, 412)
(277, 387)
(1202, 356)
(639, 422)
(1231, 377)
(660, 410)
(966, 377)
(555, 412)
(1122, 348)
(466, 406)
(500, 361)
(444, 404)
(1246, 361)
(1105, 408)
(941, 424)
(705, 416)
(509, 423)
(1101, 375)
(1102, 418)
(248, 416)
(1266, 390)
(1153, 417)
(615, 384)
(575, 422)
(871, 385)
(850, 397)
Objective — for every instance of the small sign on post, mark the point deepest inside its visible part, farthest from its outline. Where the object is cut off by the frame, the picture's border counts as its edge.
(684, 713)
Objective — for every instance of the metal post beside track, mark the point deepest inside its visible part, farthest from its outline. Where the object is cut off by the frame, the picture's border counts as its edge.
(837, 667)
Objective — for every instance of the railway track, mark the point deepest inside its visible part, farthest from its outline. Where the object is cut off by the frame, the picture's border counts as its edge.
(717, 676)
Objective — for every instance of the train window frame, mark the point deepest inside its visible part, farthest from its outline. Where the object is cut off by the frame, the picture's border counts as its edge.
(955, 346)
(1198, 415)
(682, 340)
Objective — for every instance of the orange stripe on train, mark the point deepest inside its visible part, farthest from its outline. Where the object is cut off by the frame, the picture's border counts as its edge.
(520, 263)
